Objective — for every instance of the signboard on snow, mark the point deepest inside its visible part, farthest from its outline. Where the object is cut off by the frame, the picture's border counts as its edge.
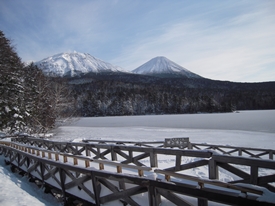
(181, 142)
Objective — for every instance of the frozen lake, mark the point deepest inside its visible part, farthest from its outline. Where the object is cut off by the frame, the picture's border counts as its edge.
(246, 128)
(260, 121)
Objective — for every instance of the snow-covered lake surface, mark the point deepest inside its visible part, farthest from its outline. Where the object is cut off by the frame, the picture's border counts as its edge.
(246, 128)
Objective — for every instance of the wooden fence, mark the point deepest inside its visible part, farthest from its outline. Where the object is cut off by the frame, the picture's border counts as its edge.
(222, 149)
(69, 166)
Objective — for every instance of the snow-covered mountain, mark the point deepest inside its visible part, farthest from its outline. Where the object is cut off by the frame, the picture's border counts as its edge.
(161, 66)
(74, 64)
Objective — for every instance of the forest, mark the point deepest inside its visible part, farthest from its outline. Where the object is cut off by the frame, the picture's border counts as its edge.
(108, 98)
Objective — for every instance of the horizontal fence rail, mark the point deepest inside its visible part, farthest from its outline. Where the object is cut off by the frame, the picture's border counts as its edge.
(222, 149)
(237, 151)
(143, 162)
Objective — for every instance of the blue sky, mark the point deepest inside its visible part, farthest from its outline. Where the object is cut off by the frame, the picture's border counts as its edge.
(225, 40)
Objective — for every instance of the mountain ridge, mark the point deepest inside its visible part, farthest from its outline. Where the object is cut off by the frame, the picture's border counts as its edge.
(78, 64)
(74, 64)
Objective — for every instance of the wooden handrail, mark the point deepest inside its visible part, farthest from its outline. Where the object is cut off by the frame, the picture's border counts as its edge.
(201, 182)
(36, 151)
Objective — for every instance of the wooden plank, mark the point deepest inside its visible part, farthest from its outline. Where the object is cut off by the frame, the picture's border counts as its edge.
(245, 161)
(231, 147)
(234, 170)
(189, 165)
(102, 154)
(125, 195)
(124, 155)
(266, 179)
(124, 142)
(206, 181)
(140, 157)
(79, 182)
(97, 188)
(115, 191)
(210, 194)
(23, 160)
(122, 165)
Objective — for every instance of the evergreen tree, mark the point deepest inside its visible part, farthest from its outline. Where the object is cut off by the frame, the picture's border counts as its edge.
(28, 99)
(12, 111)
(39, 100)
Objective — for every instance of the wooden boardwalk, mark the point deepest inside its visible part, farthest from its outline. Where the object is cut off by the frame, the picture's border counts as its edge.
(106, 171)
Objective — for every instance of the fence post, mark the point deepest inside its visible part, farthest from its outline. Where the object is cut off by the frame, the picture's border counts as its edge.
(271, 155)
(113, 154)
(178, 162)
(153, 158)
(240, 152)
(254, 175)
(42, 170)
(154, 196)
(18, 160)
(202, 202)
(213, 169)
(190, 146)
(96, 188)
(62, 182)
(88, 152)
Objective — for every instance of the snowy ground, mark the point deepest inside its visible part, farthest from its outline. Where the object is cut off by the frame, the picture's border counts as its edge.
(246, 128)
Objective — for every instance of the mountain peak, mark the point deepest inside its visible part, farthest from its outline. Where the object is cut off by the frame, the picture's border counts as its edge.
(161, 66)
(73, 64)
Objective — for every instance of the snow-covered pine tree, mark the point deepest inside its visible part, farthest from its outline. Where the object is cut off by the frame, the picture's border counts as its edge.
(27, 103)
(40, 114)
(11, 78)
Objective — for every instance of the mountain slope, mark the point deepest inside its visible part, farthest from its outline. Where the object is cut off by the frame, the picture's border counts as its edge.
(161, 66)
(74, 64)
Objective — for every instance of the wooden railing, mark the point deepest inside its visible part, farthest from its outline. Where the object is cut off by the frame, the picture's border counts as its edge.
(147, 160)
(236, 151)
(71, 174)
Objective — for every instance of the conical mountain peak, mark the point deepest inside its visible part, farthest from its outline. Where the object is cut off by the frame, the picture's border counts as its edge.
(161, 66)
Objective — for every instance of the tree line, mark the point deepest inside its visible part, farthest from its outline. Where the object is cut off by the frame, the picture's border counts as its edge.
(109, 98)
